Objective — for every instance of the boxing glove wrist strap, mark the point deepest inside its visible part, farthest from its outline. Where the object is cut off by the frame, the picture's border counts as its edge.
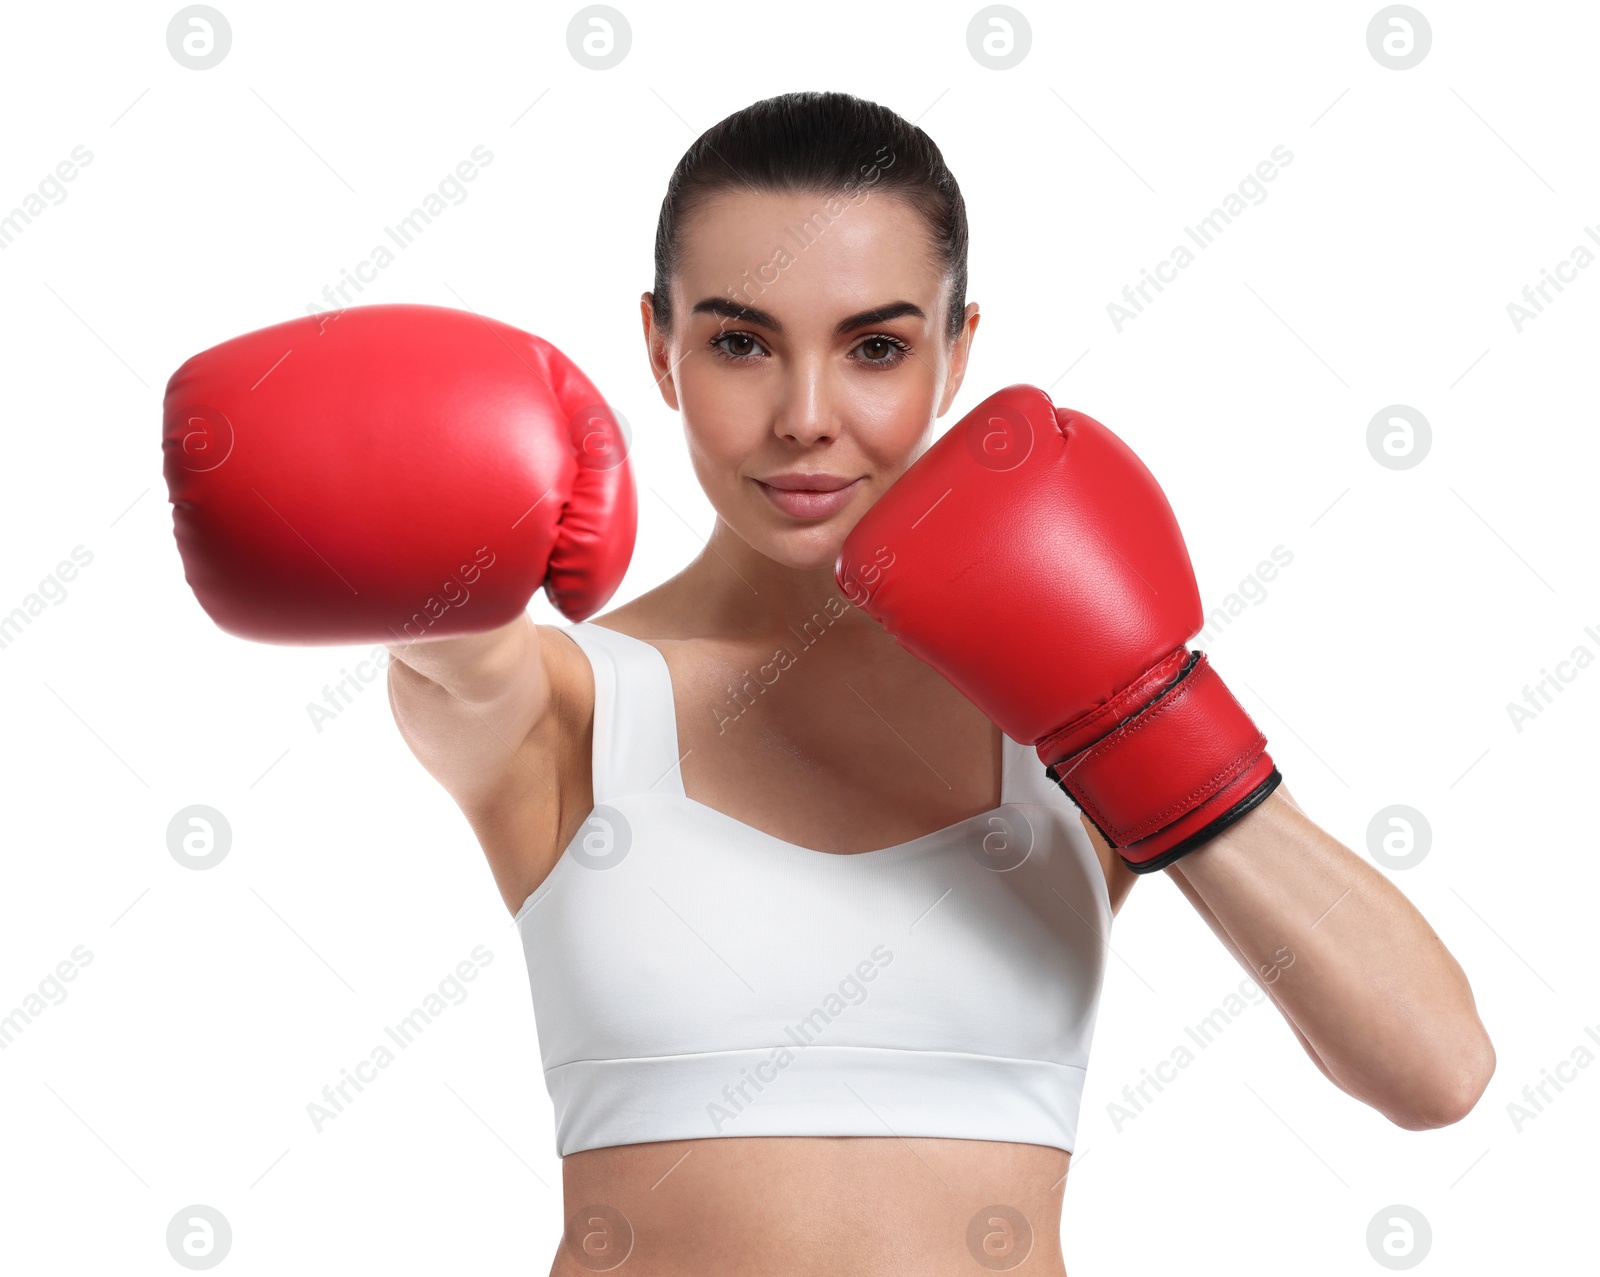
(1166, 764)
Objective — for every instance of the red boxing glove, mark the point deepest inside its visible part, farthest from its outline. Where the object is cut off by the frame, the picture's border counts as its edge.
(392, 473)
(1031, 559)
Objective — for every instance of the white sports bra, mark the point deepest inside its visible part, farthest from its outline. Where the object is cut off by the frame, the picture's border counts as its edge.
(694, 977)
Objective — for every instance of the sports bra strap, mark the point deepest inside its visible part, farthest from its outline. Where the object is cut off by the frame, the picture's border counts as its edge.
(635, 722)
(1016, 761)
(636, 725)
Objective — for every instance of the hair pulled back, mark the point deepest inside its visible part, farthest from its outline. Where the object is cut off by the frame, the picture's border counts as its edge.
(833, 144)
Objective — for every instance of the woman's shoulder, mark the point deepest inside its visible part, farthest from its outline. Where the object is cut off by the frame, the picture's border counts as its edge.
(648, 618)
(631, 620)
(660, 615)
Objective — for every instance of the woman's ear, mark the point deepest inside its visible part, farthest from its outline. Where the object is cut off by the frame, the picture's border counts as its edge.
(658, 352)
(960, 351)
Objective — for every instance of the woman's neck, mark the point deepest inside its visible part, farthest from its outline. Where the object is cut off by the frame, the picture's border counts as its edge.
(731, 590)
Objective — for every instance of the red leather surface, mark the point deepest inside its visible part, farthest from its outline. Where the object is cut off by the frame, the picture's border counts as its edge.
(1032, 559)
(391, 472)
(1035, 563)
(1178, 753)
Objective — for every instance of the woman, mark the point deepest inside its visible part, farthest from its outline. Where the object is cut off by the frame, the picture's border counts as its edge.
(770, 1048)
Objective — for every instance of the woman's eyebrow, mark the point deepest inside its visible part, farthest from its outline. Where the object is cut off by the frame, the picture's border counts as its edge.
(878, 315)
(755, 315)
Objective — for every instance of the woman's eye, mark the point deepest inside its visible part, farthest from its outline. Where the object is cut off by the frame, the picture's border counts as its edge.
(744, 345)
(883, 350)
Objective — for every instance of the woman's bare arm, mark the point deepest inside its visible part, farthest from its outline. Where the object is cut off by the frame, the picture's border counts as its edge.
(1375, 997)
(466, 704)
(1125, 879)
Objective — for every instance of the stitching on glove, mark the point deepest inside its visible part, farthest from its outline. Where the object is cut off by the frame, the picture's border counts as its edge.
(1176, 698)
(1115, 703)
(1204, 790)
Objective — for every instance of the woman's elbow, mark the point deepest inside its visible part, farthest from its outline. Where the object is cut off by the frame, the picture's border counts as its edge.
(1458, 1090)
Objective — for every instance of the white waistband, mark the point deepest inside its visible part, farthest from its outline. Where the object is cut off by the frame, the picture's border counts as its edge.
(814, 1090)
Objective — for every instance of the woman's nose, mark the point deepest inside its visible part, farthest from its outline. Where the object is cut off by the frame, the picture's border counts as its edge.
(806, 412)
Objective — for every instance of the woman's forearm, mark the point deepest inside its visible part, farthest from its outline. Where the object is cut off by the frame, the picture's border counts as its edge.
(474, 667)
(1349, 960)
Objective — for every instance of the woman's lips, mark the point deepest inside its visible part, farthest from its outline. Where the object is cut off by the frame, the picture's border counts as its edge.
(809, 505)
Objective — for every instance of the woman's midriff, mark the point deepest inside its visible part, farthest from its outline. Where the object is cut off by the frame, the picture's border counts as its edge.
(841, 1206)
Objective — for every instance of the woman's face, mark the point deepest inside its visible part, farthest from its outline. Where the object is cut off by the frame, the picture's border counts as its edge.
(807, 352)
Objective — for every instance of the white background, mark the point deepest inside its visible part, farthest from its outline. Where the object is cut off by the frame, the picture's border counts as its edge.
(1380, 662)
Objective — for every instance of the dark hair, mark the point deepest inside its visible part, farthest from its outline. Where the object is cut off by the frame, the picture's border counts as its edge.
(815, 141)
